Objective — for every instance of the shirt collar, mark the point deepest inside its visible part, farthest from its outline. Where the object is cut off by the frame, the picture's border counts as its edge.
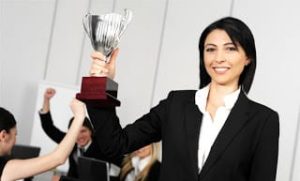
(140, 164)
(86, 146)
(201, 98)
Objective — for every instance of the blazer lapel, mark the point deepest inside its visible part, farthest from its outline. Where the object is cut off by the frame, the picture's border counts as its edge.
(235, 121)
(193, 118)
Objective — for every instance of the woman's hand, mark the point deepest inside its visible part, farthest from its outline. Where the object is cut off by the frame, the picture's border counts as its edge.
(101, 67)
(78, 109)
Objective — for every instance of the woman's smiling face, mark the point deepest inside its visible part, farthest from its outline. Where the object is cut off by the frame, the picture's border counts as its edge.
(224, 61)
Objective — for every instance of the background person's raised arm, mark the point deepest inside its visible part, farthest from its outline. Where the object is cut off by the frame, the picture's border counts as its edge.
(17, 169)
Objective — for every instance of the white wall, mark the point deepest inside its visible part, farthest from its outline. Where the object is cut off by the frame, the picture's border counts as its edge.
(67, 36)
(295, 174)
(179, 58)
(44, 40)
(25, 29)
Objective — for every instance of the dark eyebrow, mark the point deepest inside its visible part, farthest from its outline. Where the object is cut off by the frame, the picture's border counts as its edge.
(229, 44)
(210, 44)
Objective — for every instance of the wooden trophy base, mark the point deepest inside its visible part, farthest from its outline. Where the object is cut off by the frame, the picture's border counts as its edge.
(99, 92)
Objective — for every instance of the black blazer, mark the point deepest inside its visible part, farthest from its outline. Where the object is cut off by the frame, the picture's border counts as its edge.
(246, 148)
(57, 135)
(154, 172)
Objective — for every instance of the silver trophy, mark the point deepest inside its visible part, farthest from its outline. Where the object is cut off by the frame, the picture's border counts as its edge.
(104, 32)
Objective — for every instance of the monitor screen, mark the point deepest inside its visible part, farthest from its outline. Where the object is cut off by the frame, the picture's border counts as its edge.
(93, 169)
(25, 151)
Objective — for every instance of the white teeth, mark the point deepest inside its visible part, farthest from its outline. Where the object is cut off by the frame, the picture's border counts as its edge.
(220, 69)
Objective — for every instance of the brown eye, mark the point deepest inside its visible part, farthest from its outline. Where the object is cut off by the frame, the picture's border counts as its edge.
(231, 48)
(209, 49)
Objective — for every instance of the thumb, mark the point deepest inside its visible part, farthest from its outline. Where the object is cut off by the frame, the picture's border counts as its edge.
(114, 55)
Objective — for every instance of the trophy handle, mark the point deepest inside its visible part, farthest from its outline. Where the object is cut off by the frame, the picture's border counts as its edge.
(86, 24)
(125, 20)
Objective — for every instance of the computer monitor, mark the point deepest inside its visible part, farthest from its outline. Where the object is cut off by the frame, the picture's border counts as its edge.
(25, 151)
(66, 178)
(92, 169)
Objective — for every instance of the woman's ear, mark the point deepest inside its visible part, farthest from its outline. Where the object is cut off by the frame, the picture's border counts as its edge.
(3, 135)
(248, 61)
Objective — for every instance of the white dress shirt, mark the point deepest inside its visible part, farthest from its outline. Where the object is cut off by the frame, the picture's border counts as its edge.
(80, 153)
(138, 165)
(210, 128)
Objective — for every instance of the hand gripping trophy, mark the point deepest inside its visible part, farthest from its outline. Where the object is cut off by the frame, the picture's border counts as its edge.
(104, 32)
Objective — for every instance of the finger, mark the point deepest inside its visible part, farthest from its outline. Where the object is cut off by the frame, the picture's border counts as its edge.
(72, 102)
(98, 68)
(76, 101)
(98, 55)
(114, 55)
(50, 90)
(98, 62)
(103, 72)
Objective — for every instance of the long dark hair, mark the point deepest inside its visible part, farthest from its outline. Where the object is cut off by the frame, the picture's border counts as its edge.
(7, 120)
(240, 34)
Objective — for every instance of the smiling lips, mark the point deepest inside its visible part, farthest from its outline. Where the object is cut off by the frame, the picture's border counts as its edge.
(220, 69)
(81, 140)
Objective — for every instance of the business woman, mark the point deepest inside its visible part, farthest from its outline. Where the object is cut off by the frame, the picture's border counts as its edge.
(215, 133)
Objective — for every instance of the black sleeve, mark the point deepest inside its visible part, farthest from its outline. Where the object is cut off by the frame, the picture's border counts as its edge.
(115, 141)
(264, 164)
(154, 172)
(53, 132)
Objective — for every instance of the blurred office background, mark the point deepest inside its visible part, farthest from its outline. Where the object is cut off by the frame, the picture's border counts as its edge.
(43, 40)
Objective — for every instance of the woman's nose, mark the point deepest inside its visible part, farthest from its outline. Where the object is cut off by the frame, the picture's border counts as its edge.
(220, 57)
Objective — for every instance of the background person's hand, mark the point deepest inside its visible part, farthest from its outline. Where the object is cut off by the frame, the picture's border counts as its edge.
(78, 109)
(49, 93)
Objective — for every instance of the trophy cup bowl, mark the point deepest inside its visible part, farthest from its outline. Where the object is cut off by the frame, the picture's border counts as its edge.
(104, 32)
